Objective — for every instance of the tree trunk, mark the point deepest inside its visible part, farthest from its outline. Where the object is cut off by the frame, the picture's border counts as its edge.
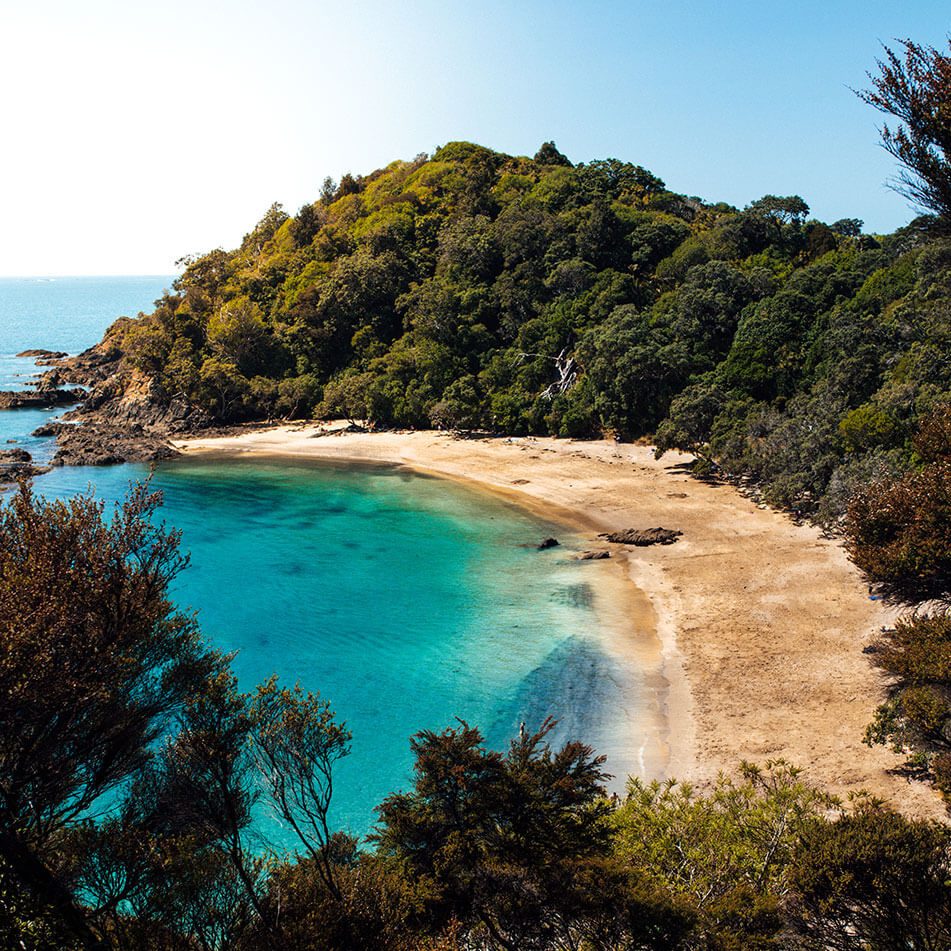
(36, 879)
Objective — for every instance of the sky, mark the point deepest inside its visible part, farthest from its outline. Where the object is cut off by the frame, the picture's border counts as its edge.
(136, 133)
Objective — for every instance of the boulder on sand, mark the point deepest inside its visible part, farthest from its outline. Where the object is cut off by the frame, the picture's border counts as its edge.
(643, 536)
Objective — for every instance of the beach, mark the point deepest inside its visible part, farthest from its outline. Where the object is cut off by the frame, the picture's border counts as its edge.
(747, 634)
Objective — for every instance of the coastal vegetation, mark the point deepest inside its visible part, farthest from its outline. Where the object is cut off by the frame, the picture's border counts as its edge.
(133, 767)
(475, 290)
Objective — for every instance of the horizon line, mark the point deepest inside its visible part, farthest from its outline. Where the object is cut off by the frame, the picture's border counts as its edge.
(60, 277)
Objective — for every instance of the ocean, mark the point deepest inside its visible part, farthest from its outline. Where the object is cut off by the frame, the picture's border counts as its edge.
(408, 602)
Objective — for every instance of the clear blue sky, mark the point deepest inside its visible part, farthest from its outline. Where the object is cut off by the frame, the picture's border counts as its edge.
(137, 133)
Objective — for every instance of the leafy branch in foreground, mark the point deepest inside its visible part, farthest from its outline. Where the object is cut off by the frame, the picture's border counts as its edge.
(915, 88)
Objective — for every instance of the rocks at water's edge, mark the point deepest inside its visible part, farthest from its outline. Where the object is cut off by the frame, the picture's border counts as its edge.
(124, 415)
(42, 397)
(548, 543)
(643, 536)
(16, 464)
(594, 555)
(105, 444)
(41, 355)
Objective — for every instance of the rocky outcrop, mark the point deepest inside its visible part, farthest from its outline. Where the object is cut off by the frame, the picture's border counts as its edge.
(42, 397)
(17, 464)
(548, 543)
(124, 414)
(643, 537)
(43, 355)
(594, 555)
(105, 444)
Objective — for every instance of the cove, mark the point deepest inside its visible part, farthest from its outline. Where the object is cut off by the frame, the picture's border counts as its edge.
(406, 600)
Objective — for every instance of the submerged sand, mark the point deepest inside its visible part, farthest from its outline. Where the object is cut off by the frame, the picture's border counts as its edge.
(746, 635)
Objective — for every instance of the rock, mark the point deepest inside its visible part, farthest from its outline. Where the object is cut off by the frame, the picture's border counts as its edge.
(14, 473)
(16, 464)
(548, 543)
(594, 555)
(102, 444)
(44, 354)
(51, 380)
(643, 536)
(41, 398)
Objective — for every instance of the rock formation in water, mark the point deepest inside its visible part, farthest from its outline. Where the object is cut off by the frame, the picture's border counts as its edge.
(16, 464)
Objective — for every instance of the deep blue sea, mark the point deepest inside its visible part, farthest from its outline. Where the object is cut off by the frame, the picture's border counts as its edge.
(407, 601)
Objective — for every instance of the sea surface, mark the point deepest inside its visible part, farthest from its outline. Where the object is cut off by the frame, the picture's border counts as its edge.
(408, 602)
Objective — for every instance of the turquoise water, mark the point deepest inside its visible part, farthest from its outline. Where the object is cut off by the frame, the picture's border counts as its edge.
(405, 600)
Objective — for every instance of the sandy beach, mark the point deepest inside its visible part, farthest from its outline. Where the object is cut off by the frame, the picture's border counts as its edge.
(747, 633)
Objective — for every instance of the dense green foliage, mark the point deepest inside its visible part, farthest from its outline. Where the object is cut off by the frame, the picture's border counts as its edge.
(899, 534)
(131, 774)
(472, 290)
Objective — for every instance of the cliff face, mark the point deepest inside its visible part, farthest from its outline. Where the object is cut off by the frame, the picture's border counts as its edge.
(123, 414)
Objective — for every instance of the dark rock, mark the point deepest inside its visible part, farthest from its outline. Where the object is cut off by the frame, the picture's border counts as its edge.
(44, 354)
(10, 474)
(548, 543)
(594, 555)
(49, 429)
(103, 444)
(51, 380)
(16, 464)
(41, 398)
(643, 536)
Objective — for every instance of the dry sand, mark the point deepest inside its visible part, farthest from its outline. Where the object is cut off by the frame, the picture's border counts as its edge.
(747, 633)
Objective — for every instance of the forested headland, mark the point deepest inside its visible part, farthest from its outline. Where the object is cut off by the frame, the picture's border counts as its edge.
(475, 290)
(478, 291)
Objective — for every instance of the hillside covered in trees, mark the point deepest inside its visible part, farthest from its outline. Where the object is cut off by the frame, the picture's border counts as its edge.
(476, 290)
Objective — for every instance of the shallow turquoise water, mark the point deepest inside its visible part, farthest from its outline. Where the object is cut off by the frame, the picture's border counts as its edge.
(405, 600)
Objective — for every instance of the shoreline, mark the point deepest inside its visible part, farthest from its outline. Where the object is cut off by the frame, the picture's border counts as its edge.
(746, 634)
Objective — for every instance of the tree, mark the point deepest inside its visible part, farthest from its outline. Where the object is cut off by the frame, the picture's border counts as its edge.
(781, 210)
(847, 227)
(728, 853)
(237, 334)
(899, 531)
(915, 88)
(95, 666)
(874, 879)
(297, 743)
(548, 154)
(306, 225)
(516, 846)
(224, 388)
